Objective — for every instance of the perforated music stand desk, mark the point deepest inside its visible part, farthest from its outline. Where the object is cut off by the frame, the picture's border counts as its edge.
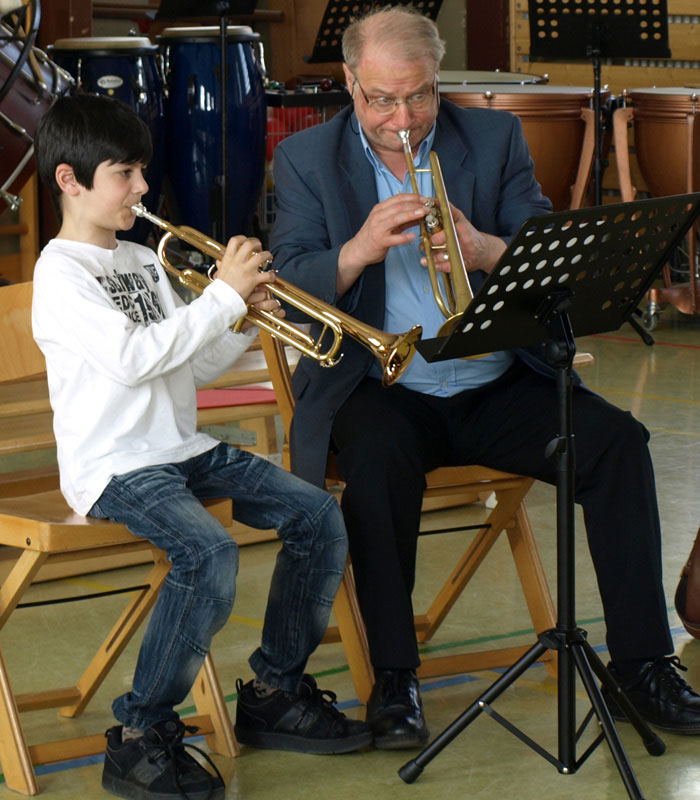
(562, 30)
(339, 14)
(568, 274)
(605, 256)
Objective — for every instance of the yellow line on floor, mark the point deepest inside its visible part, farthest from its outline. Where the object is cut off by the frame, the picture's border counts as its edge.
(98, 586)
(251, 622)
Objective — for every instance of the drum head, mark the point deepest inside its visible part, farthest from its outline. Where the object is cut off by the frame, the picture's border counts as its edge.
(685, 91)
(537, 90)
(208, 33)
(104, 44)
(455, 76)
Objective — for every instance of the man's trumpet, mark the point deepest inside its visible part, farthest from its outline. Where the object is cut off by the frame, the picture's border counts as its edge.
(456, 292)
(394, 351)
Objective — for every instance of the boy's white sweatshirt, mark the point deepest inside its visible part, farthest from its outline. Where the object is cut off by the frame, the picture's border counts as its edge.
(124, 356)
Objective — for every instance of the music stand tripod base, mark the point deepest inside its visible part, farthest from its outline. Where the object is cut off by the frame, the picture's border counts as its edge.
(568, 274)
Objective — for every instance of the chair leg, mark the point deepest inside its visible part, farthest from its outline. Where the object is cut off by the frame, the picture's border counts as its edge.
(533, 579)
(508, 501)
(20, 577)
(14, 756)
(353, 635)
(210, 701)
(120, 635)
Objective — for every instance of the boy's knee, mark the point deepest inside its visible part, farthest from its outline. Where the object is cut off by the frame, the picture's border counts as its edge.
(219, 569)
(332, 534)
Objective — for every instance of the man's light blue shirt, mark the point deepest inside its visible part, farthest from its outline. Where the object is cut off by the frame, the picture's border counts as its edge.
(409, 295)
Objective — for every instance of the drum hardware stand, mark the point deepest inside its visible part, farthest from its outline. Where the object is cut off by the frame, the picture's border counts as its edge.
(571, 273)
(220, 220)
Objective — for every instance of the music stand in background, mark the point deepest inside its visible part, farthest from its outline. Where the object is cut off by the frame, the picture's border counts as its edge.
(597, 29)
(568, 274)
(183, 9)
(328, 44)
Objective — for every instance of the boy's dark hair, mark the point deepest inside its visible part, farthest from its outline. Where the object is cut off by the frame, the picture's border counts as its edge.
(84, 130)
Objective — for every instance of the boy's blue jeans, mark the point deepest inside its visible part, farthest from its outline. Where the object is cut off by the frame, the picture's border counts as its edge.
(161, 503)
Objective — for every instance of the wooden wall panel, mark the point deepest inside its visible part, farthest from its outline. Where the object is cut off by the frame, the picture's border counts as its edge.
(681, 69)
(64, 19)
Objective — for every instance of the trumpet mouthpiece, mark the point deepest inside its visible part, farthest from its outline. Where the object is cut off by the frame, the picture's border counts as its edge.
(140, 210)
(404, 135)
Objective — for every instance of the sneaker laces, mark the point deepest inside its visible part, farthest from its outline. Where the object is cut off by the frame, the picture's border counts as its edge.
(664, 669)
(177, 751)
(327, 700)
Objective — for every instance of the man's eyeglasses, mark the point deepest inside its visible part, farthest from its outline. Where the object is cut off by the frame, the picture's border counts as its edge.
(421, 101)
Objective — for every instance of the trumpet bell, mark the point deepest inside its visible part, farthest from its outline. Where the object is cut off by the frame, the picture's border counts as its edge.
(397, 354)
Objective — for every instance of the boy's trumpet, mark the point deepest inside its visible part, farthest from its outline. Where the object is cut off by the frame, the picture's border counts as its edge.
(457, 292)
(394, 351)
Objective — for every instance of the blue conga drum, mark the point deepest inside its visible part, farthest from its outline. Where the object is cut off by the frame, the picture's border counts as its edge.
(192, 65)
(128, 68)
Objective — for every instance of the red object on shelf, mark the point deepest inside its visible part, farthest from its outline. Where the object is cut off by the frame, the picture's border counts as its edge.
(244, 396)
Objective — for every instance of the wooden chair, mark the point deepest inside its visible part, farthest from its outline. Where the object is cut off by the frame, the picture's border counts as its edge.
(43, 529)
(508, 515)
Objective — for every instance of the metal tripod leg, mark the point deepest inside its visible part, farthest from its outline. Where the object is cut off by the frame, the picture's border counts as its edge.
(412, 769)
(575, 654)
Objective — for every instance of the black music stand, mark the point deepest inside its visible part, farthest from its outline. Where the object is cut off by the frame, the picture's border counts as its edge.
(182, 9)
(328, 44)
(568, 274)
(596, 29)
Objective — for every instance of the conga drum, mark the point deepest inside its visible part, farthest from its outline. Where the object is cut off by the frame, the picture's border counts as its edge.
(558, 123)
(192, 59)
(127, 68)
(667, 146)
(30, 93)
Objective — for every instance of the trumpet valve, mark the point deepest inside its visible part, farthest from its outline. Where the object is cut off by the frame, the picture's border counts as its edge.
(433, 219)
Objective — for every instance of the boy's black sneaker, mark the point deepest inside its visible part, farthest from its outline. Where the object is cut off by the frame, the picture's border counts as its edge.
(305, 721)
(156, 766)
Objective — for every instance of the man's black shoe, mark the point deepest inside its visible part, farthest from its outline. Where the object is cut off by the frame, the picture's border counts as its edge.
(395, 710)
(661, 696)
(305, 721)
(156, 766)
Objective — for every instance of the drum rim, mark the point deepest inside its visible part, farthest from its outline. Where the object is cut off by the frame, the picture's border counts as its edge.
(207, 33)
(103, 43)
(540, 79)
(666, 91)
(551, 89)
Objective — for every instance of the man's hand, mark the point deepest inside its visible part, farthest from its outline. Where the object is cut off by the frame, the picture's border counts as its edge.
(479, 250)
(385, 227)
